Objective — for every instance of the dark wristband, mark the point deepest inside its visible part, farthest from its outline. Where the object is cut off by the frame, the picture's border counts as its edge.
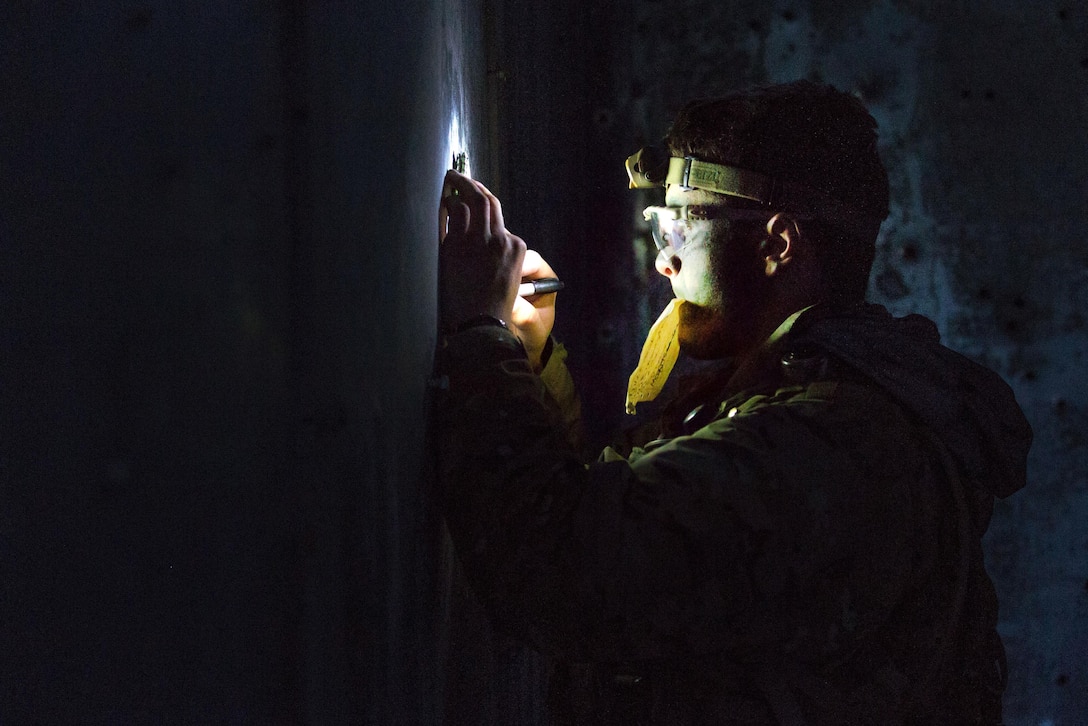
(477, 321)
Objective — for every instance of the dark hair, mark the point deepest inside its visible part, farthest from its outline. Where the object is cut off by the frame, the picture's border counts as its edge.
(807, 134)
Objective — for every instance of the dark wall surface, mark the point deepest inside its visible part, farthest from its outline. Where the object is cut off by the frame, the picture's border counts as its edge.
(217, 316)
(217, 229)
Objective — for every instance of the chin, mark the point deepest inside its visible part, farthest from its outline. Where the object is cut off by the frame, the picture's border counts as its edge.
(705, 335)
(708, 334)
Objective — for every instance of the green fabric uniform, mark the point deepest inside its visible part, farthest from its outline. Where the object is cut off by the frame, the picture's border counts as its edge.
(804, 547)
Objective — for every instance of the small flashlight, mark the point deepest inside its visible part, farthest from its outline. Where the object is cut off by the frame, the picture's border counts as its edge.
(542, 286)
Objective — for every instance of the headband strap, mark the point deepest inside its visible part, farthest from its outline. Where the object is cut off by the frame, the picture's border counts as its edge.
(733, 181)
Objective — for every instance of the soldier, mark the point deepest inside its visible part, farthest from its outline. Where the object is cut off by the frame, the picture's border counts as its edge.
(800, 542)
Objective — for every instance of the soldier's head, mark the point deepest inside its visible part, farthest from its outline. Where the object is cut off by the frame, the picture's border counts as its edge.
(783, 211)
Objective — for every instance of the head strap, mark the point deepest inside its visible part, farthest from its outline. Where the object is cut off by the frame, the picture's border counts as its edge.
(647, 169)
(719, 178)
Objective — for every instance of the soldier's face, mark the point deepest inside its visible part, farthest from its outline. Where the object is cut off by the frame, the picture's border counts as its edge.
(718, 271)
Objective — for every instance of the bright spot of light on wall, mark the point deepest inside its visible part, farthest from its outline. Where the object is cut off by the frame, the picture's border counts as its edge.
(457, 143)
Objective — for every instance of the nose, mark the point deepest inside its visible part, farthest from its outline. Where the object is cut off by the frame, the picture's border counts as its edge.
(666, 264)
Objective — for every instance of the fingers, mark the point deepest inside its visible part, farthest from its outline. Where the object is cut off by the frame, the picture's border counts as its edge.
(460, 183)
(484, 210)
(480, 262)
(471, 195)
(458, 212)
(533, 323)
(523, 313)
(498, 226)
(535, 267)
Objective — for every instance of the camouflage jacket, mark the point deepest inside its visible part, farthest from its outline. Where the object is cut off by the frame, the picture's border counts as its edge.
(803, 548)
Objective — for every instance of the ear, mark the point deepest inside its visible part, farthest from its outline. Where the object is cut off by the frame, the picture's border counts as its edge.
(780, 245)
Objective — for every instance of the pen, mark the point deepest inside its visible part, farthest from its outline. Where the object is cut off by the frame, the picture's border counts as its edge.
(540, 287)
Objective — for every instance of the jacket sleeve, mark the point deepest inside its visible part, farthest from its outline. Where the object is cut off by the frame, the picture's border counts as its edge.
(557, 379)
(685, 548)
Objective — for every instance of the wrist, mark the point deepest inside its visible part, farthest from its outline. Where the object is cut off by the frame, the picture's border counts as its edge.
(539, 360)
(477, 321)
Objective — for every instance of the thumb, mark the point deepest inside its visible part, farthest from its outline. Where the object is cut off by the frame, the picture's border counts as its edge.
(457, 224)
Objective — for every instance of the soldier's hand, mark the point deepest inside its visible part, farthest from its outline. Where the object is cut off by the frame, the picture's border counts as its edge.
(479, 260)
(534, 316)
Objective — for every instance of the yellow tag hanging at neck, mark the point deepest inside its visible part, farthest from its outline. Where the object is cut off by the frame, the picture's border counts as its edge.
(658, 356)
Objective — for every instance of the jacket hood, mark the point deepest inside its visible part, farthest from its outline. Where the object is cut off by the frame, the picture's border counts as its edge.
(970, 408)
